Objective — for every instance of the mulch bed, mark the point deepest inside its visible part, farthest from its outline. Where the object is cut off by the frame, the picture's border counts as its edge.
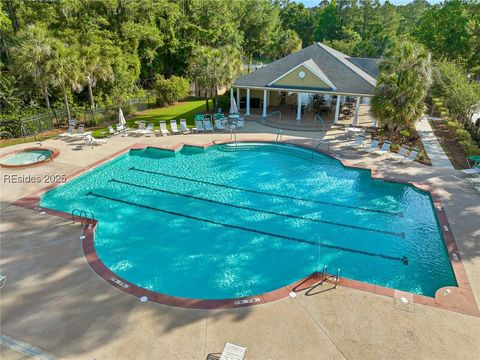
(450, 145)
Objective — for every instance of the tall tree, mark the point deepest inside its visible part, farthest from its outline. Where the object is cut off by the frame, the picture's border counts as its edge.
(405, 73)
(64, 71)
(213, 68)
(94, 63)
(33, 55)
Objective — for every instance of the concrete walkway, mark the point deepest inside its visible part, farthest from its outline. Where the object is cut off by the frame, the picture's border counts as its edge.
(432, 146)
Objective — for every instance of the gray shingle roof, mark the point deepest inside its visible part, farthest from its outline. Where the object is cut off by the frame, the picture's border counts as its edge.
(370, 66)
(348, 76)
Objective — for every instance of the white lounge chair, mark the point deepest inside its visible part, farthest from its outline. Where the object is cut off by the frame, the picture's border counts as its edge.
(359, 142)
(402, 153)
(173, 126)
(385, 149)
(207, 123)
(148, 130)
(412, 156)
(233, 352)
(373, 146)
(183, 127)
(198, 126)
(141, 127)
(122, 129)
(163, 129)
(474, 171)
(111, 131)
(91, 141)
(69, 132)
(218, 124)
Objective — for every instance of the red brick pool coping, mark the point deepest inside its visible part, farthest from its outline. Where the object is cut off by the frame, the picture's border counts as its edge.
(55, 153)
(459, 299)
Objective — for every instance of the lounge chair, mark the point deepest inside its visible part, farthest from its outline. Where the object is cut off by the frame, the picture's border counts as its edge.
(148, 130)
(359, 142)
(183, 127)
(233, 352)
(141, 127)
(474, 171)
(401, 153)
(163, 129)
(173, 126)
(385, 149)
(122, 129)
(69, 132)
(373, 146)
(218, 124)
(91, 141)
(198, 126)
(111, 131)
(207, 123)
(412, 156)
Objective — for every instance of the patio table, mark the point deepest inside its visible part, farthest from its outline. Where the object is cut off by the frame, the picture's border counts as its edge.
(353, 131)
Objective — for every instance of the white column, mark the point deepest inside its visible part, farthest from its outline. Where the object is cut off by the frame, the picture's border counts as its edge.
(248, 103)
(337, 109)
(238, 99)
(231, 97)
(357, 106)
(264, 112)
(299, 106)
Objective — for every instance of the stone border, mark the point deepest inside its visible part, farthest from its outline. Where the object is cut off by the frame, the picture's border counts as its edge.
(459, 299)
(55, 153)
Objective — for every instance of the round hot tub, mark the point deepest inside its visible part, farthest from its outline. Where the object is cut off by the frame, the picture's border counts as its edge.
(28, 157)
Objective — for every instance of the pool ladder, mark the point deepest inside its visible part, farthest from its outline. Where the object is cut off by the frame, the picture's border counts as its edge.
(233, 132)
(326, 276)
(84, 216)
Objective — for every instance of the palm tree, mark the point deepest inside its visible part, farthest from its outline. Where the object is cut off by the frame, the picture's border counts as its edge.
(32, 55)
(213, 68)
(64, 72)
(405, 75)
(93, 66)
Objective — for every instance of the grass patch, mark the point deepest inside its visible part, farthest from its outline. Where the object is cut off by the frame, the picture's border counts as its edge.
(183, 110)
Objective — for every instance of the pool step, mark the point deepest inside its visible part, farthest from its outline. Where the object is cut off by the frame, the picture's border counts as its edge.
(284, 148)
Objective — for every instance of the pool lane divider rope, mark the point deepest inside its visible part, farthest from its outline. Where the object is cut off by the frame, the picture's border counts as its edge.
(402, 235)
(394, 213)
(403, 259)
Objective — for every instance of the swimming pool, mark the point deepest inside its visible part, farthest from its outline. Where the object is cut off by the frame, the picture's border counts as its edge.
(229, 222)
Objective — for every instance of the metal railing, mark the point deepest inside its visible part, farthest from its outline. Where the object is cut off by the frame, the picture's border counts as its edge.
(279, 135)
(233, 132)
(272, 114)
(324, 125)
(83, 215)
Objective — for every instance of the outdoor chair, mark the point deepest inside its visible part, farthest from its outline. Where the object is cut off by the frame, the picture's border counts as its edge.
(385, 149)
(173, 126)
(183, 127)
(207, 123)
(198, 126)
(402, 153)
(163, 128)
(233, 352)
(373, 146)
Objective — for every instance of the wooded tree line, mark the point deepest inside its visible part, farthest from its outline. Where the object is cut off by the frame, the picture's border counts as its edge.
(89, 52)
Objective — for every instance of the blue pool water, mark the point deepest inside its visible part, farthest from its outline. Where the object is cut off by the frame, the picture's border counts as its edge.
(222, 223)
(27, 157)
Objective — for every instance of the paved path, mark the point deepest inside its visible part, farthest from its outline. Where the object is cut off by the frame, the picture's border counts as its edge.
(432, 146)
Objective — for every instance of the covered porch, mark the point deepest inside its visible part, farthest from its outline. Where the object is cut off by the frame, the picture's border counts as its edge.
(302, 110)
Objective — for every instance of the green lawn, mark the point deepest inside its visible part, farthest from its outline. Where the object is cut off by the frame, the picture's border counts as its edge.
(184, 110)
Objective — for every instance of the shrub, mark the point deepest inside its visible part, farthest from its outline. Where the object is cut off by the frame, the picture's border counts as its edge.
(169, 91)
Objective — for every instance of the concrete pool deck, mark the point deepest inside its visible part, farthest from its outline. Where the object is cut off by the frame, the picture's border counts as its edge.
(55, 302)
